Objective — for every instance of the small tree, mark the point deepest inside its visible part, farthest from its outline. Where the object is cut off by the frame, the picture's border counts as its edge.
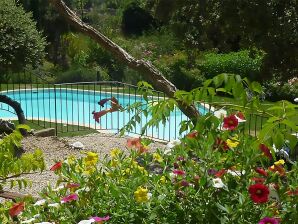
(20, 43)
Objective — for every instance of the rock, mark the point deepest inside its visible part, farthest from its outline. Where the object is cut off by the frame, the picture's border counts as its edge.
(77, 145)
(45, 132)
(6, 127)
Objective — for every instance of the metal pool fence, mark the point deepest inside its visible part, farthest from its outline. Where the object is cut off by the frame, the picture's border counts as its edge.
(68, 107)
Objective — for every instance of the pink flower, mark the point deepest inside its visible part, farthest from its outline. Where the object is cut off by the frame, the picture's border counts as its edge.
(69, 198)
(268, 220)
(179, 172)
(100, 219)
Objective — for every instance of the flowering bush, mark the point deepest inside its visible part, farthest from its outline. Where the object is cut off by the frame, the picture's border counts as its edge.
(212, 175)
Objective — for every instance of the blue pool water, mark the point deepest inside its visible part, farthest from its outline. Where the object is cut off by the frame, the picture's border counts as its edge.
(75, 107)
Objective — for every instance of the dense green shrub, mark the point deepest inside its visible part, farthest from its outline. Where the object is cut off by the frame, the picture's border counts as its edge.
(244, 63)
(178, 69)
(76, 75)
(20, 43)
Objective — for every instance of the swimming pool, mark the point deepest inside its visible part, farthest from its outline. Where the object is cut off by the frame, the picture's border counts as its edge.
(74, 107)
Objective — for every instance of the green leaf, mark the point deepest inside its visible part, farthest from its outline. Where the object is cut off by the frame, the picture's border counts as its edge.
(256, 87)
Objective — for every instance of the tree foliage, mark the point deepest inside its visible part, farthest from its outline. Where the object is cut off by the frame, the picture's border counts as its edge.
(230, 25)
(20, 43)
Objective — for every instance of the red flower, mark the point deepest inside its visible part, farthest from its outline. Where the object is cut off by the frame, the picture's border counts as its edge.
(193, 134)
(259, 193)
(266, 151)
(261, 171)
(258, 180)
(221, 144)
(179, 172)
(240, 115)
(56, 166)
(97, 115)
(16, 209)
(278, 169)
(69, 198)
(220, 173)
(72, 185)
(230, 122)
(292, 193)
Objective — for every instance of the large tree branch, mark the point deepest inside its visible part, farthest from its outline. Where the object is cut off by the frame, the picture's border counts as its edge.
(18, 109)
(149, 72)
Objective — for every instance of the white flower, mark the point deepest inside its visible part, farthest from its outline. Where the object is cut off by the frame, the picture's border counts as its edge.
(296, 100)
(29, 220)
(173, 143)
(86, 189)
(236, 172)
(45, 223)
(149, 195)
(58, 188)
(220, 113)
(240, 120)
(40, 202)
(217, 183)
(55, 205)
(86, 221)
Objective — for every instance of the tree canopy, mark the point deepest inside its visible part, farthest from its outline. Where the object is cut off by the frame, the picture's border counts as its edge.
(231, 25)
(20, 43)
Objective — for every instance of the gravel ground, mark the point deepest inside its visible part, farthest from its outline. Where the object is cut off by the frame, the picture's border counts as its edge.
(55, 149)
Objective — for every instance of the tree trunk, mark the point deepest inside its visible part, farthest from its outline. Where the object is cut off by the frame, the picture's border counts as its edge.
(17, 107)
(145, 68)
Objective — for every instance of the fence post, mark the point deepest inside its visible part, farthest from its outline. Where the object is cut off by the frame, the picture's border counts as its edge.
(56, 127)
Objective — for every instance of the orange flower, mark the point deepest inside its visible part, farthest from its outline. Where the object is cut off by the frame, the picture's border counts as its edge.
(193, 134)
(220, 173)
(16, 209)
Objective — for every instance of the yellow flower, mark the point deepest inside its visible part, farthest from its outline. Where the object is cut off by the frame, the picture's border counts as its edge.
(114, 162)
(279, 162)
(91, 159)
(115, 152)
(128, 171)
(157, 157)
(141, 194)
(71, 160)
(232, 143)
(142, 170)
(89, 170)
(163, 180)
